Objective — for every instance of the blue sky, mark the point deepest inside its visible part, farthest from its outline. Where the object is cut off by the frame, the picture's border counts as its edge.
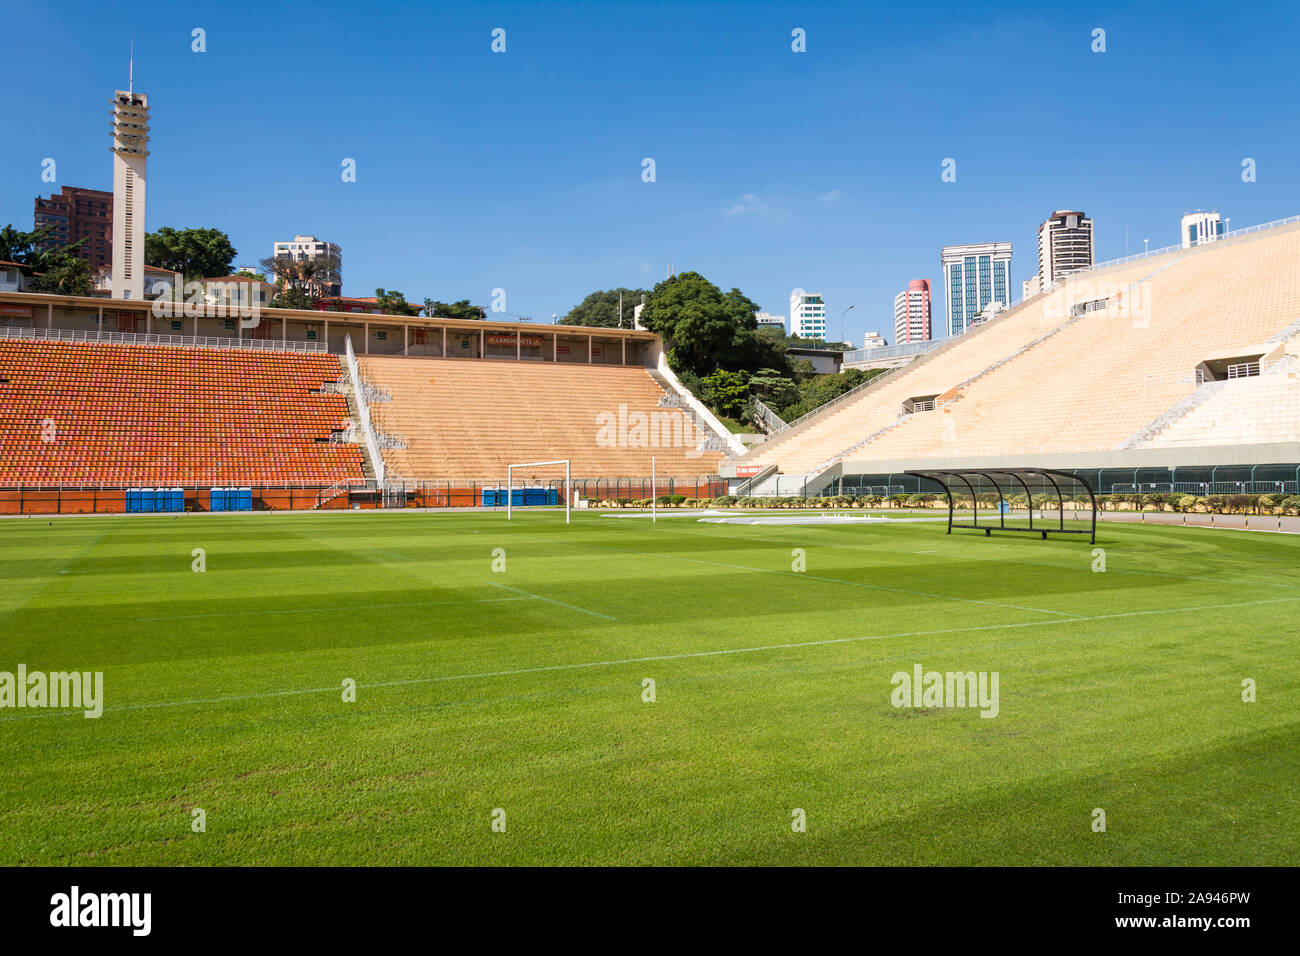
(775, 169)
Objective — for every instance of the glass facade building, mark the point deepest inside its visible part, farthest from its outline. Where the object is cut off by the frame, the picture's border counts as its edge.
(976, 275)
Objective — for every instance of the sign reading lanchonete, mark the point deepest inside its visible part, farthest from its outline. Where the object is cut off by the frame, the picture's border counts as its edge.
(56, 690)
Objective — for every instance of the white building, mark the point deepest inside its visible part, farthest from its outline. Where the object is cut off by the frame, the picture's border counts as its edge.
(156, 282)
(912, 313)
(988, 312)
(1200, 227)
(1064, 246)
(12, 277)
(807, 315)
(1029, 288)
(302, 248)
(874, 340)
(130, 156)
(767, 320)
(236, 292)
(974, 275)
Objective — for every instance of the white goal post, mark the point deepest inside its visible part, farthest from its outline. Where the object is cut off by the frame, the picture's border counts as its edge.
(510, 483)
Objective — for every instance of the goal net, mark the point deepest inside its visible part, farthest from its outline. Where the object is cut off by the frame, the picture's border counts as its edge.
(537, 484)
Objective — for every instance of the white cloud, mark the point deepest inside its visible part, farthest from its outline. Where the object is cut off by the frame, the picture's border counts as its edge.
(832, 196)
(749, 203)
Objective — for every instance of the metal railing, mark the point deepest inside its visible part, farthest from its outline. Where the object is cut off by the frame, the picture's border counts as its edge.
(1167, 249)
(705, 420)
(171, 341)
(767, 419)
(843, 397)
(363, 410)
(1207, 487)
(887, 352)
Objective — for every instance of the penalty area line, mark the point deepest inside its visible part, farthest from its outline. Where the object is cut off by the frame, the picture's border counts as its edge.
(528, 595)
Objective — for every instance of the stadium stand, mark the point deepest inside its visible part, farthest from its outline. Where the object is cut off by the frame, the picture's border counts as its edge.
(877, 408)
(1239, 411)
(463, 419)
(1095, 365)
(91, 412)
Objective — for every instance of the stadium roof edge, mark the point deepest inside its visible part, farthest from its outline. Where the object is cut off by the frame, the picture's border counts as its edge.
(316, 315)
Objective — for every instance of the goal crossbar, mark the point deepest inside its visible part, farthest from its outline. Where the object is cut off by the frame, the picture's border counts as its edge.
(510, 481)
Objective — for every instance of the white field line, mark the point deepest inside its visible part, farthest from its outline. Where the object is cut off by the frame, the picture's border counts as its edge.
(538, 597)
(686, 655)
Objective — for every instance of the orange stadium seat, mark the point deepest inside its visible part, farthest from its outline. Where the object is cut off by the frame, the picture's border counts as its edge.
(73, 412)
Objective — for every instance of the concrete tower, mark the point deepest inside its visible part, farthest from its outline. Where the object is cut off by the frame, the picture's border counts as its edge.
(130, 154)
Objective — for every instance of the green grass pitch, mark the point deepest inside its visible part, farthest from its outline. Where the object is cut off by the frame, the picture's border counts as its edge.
(522, 690)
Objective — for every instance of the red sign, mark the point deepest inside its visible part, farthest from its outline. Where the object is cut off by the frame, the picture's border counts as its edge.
(746, 471)
(24, 310)
(504, 338)
(562, 349)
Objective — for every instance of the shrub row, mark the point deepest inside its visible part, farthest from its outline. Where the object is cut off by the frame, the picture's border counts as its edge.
(1262, 504)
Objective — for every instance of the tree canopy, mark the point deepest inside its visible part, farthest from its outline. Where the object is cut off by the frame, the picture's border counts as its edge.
(194, 253)
(704, 329)
(59, 270)
(453, 310)
(714, 344)
(302, 279)
(392, 302)
(601, 309)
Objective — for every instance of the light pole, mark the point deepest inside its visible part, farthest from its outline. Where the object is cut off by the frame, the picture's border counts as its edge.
(1146, 246)
(842, 315)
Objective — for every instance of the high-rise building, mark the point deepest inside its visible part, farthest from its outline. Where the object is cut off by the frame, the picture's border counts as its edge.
(77, 213)
(912, 313)
(1064, 246)
(130, 156)
(807, 315)
(1029, 288)
(328, 282)
(974, 275)
(1200, 227)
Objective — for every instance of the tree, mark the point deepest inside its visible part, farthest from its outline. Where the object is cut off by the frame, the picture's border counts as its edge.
(774, 389)
(16, 246)
(817, 390)
(194, 253)
(304, 277)
(58, 271)
(292, 299)
(392, 302)
(66, 274)
(702, 328)
(601, 309)
(454, 310)
(728, 392)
